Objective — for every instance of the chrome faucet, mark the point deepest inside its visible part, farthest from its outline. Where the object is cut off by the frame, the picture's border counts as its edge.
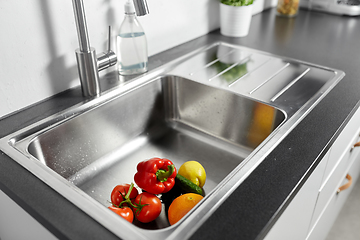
(89, 64)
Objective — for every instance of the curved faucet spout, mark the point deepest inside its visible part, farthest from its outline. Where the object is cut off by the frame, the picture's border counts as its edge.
(141, 7)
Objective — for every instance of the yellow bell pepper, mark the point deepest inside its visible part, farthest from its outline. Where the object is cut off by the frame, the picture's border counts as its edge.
(193, 171)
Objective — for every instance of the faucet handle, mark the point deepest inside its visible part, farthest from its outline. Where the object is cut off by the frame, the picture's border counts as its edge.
(109, 39)
(108, 58)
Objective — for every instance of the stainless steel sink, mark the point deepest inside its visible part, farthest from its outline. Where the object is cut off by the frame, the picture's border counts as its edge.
(224, 106)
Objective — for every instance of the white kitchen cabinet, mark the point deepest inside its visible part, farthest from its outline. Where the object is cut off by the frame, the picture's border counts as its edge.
(343, 165)
(343, 144)
(312, 213)
(16, 223)
(333, 207)
(294, 222)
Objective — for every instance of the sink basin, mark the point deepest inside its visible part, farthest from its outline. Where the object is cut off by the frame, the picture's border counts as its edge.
(194, 111)
(168, 117)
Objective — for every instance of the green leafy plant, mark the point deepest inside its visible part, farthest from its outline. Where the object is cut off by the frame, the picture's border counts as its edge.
(237, 3)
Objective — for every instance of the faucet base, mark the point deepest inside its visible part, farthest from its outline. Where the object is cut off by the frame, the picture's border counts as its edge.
(88, 72)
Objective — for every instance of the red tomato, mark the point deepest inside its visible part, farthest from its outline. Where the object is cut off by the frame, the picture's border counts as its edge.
(124, 212)
(151, 207)
(123, 189)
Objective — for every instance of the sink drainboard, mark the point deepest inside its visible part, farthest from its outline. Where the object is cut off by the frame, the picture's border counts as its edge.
(285, 83)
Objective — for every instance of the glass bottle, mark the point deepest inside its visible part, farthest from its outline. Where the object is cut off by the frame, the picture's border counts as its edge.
(287, 8)
(131, 44)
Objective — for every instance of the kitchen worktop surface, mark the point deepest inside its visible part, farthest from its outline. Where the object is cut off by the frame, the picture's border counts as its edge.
(251, 210)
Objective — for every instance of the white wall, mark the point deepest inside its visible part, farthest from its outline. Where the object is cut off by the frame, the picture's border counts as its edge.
(38, 39)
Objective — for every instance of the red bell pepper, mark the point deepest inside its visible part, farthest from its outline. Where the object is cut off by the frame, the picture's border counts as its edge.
(156, 175)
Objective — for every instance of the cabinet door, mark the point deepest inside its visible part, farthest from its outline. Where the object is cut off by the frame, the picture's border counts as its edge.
(343, 143)
(342, 155)
(13, 218)
(330, 212)
(329, 186)
(294, 222)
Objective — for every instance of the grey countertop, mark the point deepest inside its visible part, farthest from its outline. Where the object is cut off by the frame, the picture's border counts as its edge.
(252, 209)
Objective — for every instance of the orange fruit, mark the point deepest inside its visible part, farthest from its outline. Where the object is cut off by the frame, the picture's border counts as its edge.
(182, 205)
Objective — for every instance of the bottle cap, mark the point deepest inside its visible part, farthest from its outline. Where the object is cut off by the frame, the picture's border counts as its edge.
(129, 7)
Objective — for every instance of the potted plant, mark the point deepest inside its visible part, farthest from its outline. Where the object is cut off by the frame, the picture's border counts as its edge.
(235, 17)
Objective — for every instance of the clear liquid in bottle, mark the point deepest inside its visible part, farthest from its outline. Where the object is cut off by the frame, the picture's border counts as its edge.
(132, 59)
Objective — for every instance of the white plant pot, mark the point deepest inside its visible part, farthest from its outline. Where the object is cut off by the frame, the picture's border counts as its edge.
(235, 21)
